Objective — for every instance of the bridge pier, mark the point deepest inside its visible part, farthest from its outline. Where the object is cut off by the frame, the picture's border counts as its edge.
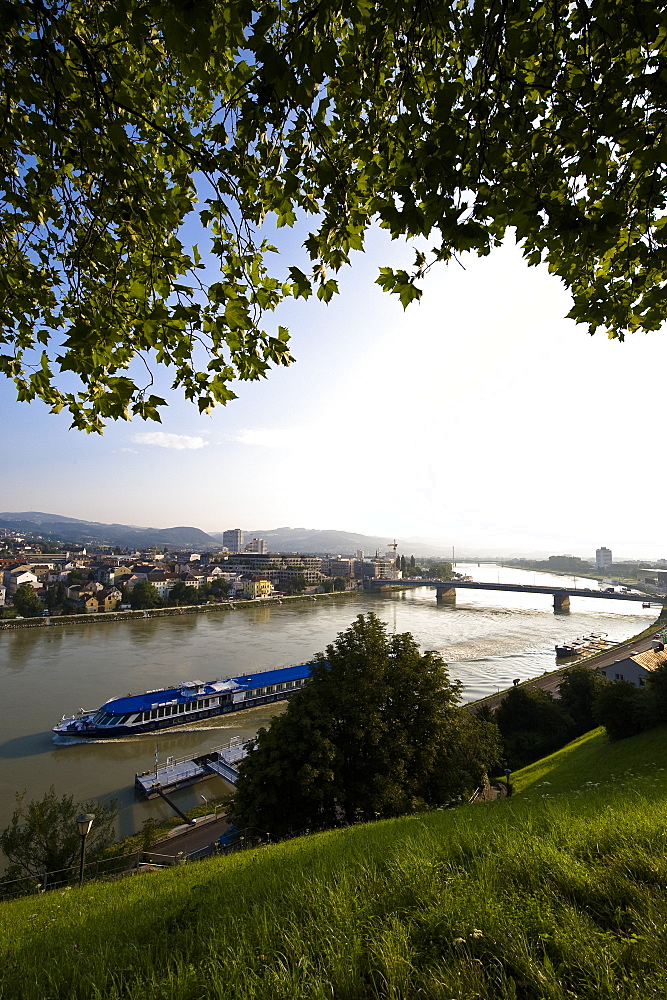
(445, 595)
(561, 602)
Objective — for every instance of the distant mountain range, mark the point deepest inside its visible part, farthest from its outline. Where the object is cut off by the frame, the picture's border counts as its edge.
(72, 531)
(332, 542)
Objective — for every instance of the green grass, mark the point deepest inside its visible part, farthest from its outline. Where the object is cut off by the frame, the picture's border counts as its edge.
(527, 899)
(592, 760)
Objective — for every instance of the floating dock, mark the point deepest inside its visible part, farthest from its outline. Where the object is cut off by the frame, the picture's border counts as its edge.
(221, 762)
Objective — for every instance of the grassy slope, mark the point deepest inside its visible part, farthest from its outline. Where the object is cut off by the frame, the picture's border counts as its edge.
(591, 759)
(528, 899)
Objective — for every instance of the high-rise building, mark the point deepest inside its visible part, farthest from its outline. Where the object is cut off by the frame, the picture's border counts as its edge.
(233, 540)
(603, 558)
(257, 545)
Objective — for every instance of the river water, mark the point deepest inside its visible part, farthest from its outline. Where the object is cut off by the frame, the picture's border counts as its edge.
(487, 638)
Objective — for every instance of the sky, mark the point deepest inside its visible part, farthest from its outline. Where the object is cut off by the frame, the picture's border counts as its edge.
(480, 417)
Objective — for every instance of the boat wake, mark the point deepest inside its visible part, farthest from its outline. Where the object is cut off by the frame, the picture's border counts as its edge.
(88, 740)
(190, 729)
(69, 741)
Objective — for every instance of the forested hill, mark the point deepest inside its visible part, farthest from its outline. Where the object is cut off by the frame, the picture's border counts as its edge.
(72, 531)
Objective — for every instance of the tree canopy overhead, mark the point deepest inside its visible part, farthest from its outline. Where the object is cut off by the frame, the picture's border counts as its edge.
(453, 121)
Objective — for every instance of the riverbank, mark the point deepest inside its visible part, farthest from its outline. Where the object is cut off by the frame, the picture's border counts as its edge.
(550, 680)
(45, 621)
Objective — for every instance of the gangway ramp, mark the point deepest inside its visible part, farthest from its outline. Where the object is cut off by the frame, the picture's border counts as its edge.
(223, 770)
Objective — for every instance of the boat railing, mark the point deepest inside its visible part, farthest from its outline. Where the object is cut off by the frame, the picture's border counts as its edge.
(236, 741)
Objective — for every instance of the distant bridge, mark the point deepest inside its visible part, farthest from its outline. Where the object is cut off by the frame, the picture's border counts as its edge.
(446, 591)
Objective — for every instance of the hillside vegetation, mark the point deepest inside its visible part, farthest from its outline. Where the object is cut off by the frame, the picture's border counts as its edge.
(558, 892)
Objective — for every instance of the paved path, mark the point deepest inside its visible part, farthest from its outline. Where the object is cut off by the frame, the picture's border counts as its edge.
(187, 839)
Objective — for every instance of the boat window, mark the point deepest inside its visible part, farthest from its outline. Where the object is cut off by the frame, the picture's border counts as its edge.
(181, 708)
(160, 713)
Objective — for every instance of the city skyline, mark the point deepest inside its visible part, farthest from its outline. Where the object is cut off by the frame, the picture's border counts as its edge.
(480, 417)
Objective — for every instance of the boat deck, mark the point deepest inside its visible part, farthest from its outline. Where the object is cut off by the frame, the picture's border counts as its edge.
(219, 762)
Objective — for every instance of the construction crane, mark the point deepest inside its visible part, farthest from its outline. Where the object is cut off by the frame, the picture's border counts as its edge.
(393, 545)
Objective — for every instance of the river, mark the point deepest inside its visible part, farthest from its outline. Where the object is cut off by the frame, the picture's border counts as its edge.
(488, 639)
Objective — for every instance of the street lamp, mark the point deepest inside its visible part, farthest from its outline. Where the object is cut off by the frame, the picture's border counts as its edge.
(84, 823)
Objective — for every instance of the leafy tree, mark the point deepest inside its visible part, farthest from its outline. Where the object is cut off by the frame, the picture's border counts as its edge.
(532, 724)
(334, 583)
(42, 835)
(26, 601)
(655, 695)
(144, 595)
(440, 570)
(48, 547)
(220, 588)
(578, 691)
(375, 732)
(456, 122)
(620, 708)
(57, 595)
(296, 584)
(180, 594)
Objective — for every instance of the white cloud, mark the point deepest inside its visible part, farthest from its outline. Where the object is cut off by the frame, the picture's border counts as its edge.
(179, 442)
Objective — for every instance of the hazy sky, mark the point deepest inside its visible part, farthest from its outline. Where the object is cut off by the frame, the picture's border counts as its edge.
(479, 416)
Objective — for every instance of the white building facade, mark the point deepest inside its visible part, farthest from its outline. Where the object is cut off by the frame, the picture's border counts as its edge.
(603, 558)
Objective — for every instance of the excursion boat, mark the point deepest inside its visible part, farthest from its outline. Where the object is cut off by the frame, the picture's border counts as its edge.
(191, 701)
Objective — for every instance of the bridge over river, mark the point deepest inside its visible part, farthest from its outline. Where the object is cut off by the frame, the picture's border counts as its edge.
(445, 591)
